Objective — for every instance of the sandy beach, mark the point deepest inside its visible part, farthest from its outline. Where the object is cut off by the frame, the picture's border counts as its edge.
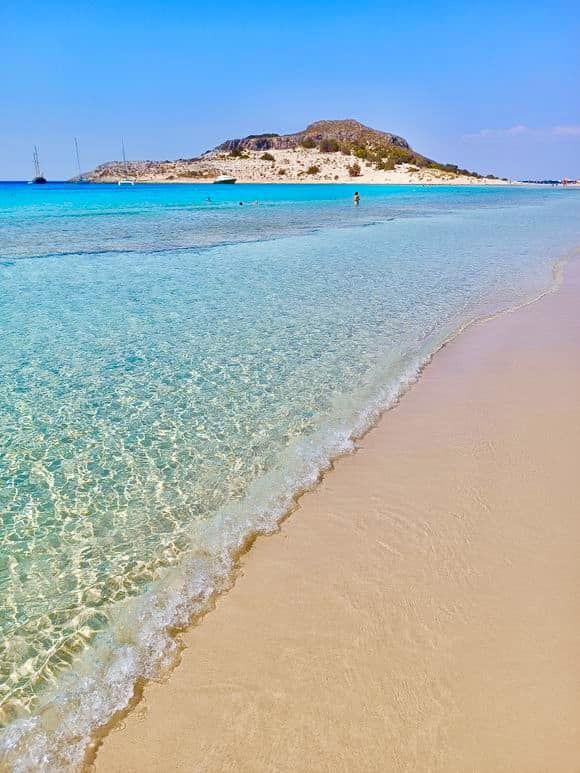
(419, 609)
(288, 166)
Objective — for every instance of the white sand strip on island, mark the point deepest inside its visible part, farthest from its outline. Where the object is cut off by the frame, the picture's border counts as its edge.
(293, 166)
(419, 610)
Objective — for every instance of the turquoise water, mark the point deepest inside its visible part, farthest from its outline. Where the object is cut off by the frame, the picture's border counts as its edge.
(173, 370)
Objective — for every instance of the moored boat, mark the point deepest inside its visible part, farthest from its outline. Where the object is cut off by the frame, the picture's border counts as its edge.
(125, 180)
(80, 178)
(224, 179)
(39, 178)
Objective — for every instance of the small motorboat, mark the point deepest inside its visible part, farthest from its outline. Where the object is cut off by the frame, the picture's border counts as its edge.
(224, 179)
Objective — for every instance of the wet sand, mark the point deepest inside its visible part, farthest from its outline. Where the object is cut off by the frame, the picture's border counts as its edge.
(420, 610)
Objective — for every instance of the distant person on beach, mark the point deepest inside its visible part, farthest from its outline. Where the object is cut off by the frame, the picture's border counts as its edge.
(356, 198)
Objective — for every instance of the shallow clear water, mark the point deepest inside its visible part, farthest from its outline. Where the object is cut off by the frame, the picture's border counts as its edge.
(173, 369)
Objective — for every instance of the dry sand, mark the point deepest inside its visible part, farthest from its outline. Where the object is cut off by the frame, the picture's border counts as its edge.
(333, 168)
(420, 611)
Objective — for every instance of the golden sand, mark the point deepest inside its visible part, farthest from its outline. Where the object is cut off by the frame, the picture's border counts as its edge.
(420, 611)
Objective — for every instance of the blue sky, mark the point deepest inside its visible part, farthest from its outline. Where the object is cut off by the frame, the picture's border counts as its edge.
(494, 86)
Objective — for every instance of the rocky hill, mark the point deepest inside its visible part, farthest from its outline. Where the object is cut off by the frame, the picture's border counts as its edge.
(347, 133)
(325, 151)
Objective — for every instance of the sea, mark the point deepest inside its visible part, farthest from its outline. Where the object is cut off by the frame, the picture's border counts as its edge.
(177, 363)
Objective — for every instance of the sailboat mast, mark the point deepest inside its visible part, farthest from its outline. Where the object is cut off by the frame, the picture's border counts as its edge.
(124, 157)
(36, 162)
(127, 180)
(78, 159)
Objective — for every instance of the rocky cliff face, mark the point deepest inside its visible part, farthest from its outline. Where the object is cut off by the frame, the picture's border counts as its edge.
(347, 133)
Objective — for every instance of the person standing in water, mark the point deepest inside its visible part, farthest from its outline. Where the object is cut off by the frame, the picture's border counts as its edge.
(356, 198)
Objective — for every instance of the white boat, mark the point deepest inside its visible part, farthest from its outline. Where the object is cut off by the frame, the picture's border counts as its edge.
(125, 180)
(224, 179)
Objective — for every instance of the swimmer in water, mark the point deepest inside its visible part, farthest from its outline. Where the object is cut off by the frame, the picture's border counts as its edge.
(356, 198)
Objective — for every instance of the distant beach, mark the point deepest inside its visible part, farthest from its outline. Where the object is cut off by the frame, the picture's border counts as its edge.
(299, 167)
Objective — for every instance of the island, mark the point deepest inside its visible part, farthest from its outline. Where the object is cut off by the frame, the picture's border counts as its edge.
(324, 152)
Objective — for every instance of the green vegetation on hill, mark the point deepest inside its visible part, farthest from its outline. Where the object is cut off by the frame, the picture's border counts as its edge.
(386, 157)
(308, 143)
(328, 146)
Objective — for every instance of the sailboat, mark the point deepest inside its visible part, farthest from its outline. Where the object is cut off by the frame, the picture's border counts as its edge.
(126, 180)
(80, 178)
(39, 178)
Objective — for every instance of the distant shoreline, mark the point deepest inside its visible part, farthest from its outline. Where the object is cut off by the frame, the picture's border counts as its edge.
(353, 182)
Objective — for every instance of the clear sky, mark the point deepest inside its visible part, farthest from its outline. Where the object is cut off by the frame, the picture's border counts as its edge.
(493, 86)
